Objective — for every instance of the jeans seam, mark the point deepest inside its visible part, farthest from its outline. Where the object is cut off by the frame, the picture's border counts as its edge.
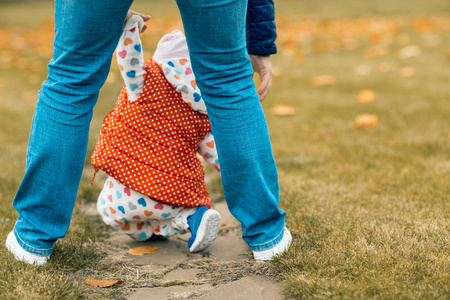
(271, 241)
(28, 246)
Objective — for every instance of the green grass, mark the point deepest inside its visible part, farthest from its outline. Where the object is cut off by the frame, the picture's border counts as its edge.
(369, 208)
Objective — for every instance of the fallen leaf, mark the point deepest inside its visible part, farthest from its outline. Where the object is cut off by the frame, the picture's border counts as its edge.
(375, 52)
(366, 120)
(421, 24)
(283, 110)
(142, 250)
(324, 80)
(409, 51)
(349, 44)
(407, 72)
(321, 45)
(101, 282)
(385, 67)
(366, 96)
(138, 250)
(298, 57)
(362, 70)
(403, 39)
(430, 40)
(29, 95)
(289, 44)
(288, 52)
(375, 38)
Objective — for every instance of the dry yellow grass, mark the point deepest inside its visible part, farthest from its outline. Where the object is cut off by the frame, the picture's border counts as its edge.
(369, 207)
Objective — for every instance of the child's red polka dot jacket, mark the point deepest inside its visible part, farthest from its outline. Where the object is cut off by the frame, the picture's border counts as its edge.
(149, 141)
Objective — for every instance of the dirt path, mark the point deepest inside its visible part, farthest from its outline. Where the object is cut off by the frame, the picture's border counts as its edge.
(225, 270)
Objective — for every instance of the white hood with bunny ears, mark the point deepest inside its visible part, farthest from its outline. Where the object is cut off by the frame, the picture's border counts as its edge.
(172, 55)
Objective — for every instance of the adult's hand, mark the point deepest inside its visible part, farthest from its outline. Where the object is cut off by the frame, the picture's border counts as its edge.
(263, 66)
(144, 17)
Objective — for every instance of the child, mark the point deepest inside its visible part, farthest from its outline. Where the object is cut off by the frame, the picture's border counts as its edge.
(148, 146)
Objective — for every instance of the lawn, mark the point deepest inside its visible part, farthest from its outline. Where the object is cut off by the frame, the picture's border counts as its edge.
(368, 207)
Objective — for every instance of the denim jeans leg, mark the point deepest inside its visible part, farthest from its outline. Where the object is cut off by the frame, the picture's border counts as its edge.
(215, 31)
(86, 34)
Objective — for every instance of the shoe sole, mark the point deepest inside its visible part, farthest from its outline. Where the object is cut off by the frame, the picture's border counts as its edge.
(20, 254)
(269, 254)
(207, 231)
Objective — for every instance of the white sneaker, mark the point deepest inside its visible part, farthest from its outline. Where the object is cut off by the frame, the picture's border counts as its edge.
(22, 255)
(269, 254)
(204, 227)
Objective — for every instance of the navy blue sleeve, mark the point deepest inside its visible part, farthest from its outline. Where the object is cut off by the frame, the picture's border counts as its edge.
(260, 27)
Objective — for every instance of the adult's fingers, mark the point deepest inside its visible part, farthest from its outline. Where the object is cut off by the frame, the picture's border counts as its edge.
(131, 13)
(266, 85)
(144, 17)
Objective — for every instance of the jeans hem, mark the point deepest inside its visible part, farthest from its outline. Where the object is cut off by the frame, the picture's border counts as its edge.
(30, 249)
(269, 244)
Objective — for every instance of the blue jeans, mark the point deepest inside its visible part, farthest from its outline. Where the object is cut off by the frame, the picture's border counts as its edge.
(87, 33)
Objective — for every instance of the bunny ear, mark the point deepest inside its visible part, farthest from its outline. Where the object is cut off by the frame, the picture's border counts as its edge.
(165, 39)
(171, 45)
(177, 33)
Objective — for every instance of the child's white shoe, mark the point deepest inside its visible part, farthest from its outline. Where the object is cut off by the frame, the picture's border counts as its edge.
(282, 246)
(13, 246)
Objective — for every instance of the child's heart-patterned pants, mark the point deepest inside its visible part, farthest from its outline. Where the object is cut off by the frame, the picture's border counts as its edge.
(139, 216)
